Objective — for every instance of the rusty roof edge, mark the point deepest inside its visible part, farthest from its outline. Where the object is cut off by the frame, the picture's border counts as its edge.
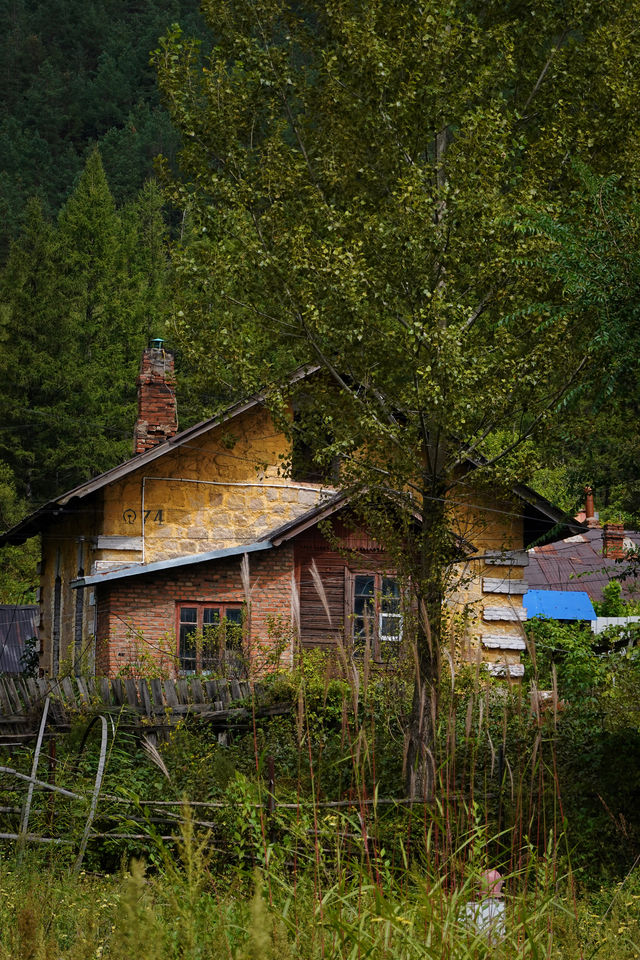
(157, 566)
(541, 503)
(326, 509)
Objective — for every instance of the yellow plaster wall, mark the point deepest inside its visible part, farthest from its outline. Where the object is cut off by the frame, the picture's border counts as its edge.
(221, 490)
(488, 522)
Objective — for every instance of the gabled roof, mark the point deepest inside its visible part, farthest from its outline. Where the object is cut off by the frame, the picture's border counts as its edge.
(33, 523)
(540, 515)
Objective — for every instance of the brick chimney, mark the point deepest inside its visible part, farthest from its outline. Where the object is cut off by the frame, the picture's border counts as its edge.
(157, 412)
(613, 540)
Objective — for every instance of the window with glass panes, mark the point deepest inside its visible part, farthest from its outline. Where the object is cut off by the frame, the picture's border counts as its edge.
(377, 611)
(219, 626)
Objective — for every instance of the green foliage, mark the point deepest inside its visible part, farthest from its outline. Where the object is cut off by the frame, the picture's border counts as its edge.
(30, 658)
(612, 604)
(536, 792)
(594, 262)
(349, 187)
(567, 649)
(18, 576)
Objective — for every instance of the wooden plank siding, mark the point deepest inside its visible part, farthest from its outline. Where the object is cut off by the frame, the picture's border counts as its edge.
(348, 550)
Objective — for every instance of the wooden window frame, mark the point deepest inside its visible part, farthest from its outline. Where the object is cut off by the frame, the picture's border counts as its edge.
(221, 607)
(350, 585)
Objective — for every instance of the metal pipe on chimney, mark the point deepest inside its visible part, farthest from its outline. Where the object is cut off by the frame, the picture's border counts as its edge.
(588, 503)
(590, 516)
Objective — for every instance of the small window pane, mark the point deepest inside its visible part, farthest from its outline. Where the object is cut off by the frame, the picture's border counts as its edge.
(210, 639)
(233, 628)
(188, 647)
(390, 626)
(188, 614)
(365, 586)
(364, 612)
(390, 596)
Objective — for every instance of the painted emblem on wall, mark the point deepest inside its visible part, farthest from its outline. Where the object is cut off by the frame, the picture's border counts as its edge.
(149, 516)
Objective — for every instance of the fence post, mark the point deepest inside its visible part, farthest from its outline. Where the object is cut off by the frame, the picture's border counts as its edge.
(52, 778)
(24, 825)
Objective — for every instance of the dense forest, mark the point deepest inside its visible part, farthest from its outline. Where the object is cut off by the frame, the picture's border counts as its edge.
(83, 243)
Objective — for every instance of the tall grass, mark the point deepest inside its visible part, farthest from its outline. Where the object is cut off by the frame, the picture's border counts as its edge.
(336, 870)
(185, 910)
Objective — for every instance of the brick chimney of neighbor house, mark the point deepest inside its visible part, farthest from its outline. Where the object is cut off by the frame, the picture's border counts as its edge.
(613, 540)
(157, 411)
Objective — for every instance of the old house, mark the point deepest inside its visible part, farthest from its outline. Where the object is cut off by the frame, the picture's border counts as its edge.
(194, 549)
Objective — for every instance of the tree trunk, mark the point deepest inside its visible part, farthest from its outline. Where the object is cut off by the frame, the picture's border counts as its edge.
(421, 748)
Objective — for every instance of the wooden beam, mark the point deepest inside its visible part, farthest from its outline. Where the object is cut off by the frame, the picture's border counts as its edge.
(504, 641)
(504, 585)
(118, 543)
(506, 558)
(504, 613)
(506, 669)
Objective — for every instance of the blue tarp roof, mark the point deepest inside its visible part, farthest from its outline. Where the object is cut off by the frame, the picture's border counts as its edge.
(559, 604)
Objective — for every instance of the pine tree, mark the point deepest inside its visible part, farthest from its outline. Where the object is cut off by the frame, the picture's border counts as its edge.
(79, 301)
(100, 296)
(35, 337)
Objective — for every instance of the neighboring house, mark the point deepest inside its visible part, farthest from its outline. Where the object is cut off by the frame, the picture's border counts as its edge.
(18, 623)
(174, 542)
(587, 561)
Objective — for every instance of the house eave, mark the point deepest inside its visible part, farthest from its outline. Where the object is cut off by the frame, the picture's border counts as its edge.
(158, 566)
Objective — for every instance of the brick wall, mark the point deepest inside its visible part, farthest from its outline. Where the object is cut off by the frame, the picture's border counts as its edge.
(140, 614)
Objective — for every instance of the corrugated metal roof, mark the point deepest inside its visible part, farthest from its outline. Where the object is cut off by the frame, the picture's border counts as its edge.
(138, 569)
(576, 564)
(559, 604)
(17, 624)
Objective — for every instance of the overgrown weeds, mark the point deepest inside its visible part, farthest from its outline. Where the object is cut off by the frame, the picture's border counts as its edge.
(323, 863)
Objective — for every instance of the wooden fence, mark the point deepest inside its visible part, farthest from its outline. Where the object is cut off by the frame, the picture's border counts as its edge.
(150, 703)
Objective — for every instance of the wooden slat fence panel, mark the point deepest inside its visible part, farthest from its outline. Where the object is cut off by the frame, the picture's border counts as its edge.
(131, 690)
(163, 701)
(170, 694)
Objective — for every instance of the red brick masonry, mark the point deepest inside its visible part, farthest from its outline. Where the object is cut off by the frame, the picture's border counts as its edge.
(157, 411)
(139, 615)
